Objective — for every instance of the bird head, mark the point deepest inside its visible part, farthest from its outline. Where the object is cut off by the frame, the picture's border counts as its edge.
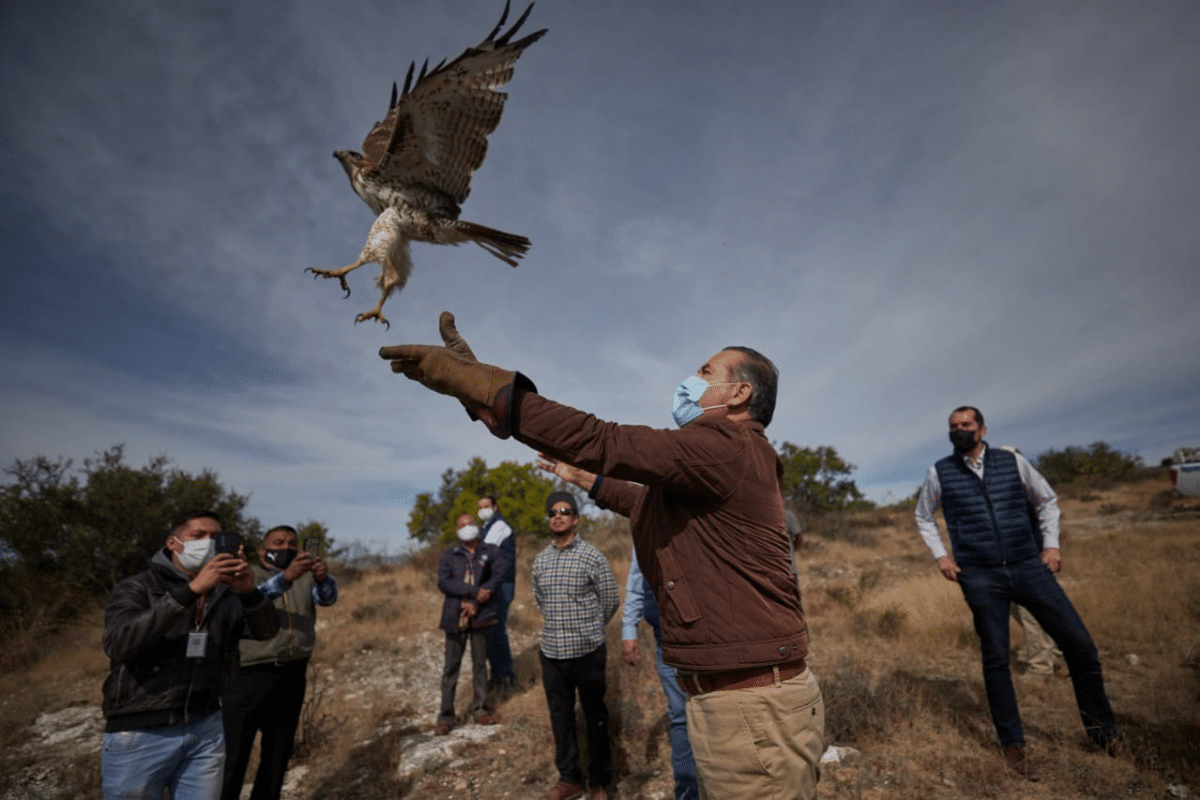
(350, 161)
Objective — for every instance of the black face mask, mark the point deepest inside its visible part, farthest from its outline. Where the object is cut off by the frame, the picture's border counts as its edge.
(963, 441)
(279, 558)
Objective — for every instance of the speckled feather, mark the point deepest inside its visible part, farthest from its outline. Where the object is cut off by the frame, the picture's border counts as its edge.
(417, 162)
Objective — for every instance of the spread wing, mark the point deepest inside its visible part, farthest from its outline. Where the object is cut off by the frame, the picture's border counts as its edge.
(434, 136)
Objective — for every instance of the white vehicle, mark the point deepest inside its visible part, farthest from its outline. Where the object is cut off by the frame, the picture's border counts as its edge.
(1185, 471)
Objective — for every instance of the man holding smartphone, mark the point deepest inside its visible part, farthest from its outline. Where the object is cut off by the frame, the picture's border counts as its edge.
(267, 694)
(170, 631)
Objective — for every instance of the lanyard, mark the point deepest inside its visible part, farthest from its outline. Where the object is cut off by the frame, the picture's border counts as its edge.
(200, 610)
(197, 641)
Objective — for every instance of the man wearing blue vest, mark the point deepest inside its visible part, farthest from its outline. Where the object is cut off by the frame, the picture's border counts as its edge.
(497, 531)
(996, 560)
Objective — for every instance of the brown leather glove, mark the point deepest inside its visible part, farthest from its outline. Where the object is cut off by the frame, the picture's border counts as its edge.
(456, 344)
(488, 392)
(452, 338)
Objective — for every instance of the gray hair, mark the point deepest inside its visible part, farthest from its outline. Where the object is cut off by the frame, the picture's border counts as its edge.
(763, 377)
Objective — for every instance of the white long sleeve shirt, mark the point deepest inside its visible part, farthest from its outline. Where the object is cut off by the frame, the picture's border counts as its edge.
(1043, 498)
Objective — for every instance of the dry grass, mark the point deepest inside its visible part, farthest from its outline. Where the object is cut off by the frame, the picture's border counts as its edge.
(914, 702)
(892, 646)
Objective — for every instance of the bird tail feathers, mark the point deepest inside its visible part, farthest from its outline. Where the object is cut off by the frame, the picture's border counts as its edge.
(508, 247)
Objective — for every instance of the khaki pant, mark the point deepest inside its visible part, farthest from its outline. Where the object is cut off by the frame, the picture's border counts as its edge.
(1039, 651)
(759, 744)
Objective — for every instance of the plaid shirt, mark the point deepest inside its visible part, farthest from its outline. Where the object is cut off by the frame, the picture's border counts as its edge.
(576, 591)
(323, 594)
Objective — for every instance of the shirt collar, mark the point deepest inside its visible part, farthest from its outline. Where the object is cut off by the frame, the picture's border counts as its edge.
(568, 546)
(973, 464)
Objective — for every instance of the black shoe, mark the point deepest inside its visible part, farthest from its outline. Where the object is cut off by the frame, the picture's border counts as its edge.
(502, 687)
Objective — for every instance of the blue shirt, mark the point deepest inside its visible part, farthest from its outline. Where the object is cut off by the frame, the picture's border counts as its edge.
(323, 593)
(636, 588)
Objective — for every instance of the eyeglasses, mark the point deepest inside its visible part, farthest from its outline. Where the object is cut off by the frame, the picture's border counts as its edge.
(560, 512)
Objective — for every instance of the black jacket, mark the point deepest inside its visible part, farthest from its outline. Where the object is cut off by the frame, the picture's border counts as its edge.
(152, 682)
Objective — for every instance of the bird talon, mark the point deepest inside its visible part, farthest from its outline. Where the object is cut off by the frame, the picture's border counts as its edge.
(325, 273)
(375, 315)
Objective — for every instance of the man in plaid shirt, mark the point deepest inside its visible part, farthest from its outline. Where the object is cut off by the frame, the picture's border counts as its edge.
(576, 591)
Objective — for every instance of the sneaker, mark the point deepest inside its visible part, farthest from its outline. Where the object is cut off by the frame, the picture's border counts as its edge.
(1019, 762)
(563, 791)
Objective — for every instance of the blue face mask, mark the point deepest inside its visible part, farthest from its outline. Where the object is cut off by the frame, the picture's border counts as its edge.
(685, 406)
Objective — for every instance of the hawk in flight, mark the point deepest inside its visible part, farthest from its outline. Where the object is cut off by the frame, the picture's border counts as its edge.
(416, 165)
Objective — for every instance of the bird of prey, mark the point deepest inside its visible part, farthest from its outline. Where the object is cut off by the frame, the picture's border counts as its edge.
(416, 165)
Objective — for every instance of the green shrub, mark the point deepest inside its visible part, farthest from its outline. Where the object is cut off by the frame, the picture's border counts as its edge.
(1094, 464)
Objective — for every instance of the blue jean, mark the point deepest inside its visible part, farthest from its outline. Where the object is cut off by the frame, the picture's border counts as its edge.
(499, 653)
(683, 763)
(988, 591)
(188, 759)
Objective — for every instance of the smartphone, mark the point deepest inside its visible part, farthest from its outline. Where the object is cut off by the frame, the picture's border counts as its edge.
(311, 545)
(228, 543)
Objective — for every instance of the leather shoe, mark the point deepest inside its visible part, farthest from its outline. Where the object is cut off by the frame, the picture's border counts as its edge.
(598, 793)
(487, 719)
(1019, 762)
(1115, 747)
(441, 729)
(563, 791)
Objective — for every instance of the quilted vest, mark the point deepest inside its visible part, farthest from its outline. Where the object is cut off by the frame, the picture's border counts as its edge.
(508, 547)
(988, 520)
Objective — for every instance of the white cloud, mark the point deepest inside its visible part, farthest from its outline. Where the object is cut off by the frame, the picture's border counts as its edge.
(906, 210)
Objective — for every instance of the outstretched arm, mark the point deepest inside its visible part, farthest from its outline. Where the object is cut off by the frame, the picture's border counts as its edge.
(580, 477)
(609, 493)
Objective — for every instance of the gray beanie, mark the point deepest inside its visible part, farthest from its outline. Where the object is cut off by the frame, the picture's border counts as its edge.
(561, 497)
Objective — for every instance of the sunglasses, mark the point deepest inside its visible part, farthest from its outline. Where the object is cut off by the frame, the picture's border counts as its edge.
(560, 512)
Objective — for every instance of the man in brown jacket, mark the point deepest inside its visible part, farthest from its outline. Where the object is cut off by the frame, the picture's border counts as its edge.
(706, 511)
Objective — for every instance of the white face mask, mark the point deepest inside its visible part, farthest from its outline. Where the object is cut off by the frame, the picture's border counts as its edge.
(468, 533)
(486, 513)
(196, 553)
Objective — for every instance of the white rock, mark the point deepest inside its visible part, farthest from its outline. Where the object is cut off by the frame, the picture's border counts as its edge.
(836, 755)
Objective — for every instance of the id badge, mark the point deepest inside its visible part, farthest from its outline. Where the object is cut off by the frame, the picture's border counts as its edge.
(197, 644)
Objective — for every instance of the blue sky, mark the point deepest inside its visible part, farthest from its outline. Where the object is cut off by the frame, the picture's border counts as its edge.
(907, 205)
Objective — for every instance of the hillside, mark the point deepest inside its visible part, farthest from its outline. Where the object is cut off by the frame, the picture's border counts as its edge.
(892, 646)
